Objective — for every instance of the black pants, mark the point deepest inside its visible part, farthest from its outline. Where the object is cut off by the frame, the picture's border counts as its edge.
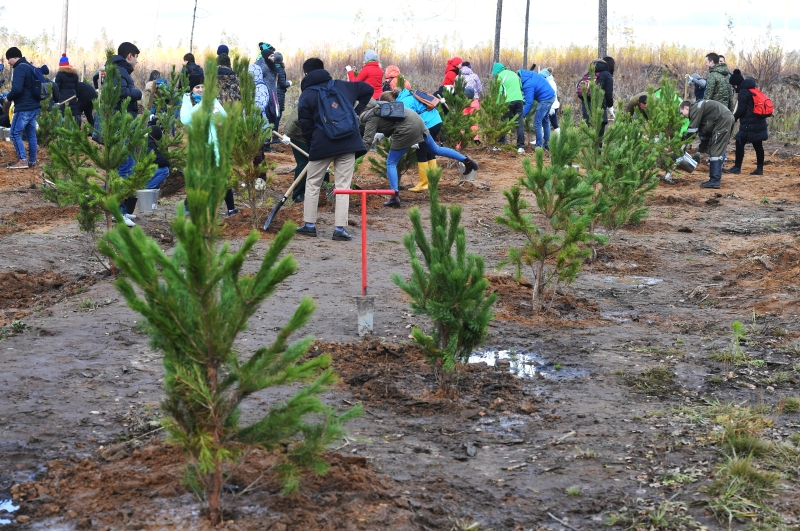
(515, 111)
(758, 147)
(87, 109)
(228, 201)
(423, 155)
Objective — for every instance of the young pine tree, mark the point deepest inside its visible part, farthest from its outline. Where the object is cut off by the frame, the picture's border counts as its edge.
(251, 132)
(457, 126)
(665, 123)
(555, 251)
(449, 287)
(167, 102)
(490, 118)
(196, 301)
(85, 172)
(49, 119)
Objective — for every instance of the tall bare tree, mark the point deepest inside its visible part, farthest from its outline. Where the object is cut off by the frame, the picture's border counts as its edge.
(497, 21)
(64, 16)
(602, 29)
(525, 46)
(191, 37)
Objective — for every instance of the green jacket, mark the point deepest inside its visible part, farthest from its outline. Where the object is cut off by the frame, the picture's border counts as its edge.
(717, 86)
(292, 128)
(707, 115)
(511, 84)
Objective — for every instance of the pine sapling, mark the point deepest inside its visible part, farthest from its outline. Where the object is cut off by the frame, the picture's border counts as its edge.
(85, 172)
(456, 124)
(251, 170)
(554, 251)
(167, 102)
(490, 118)
(448, 285)
(196, 301)
(49, 119)
(378, 163)
(665, 124)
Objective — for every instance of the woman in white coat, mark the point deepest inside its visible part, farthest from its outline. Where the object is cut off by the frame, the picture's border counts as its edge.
(548, 74)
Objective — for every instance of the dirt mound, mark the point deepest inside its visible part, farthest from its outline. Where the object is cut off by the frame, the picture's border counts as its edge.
(623, 258)
(20, 291)
(144, 491)
(514, 303)
(397, 376)
(36, 218)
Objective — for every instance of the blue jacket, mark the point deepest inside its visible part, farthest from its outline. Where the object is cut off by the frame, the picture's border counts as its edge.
(535, 87)
(128, 88)
(322, 147)
(431, 117)
(22, 87)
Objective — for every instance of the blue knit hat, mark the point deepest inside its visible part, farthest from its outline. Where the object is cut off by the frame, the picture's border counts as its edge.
(222, 49)
(64, 61)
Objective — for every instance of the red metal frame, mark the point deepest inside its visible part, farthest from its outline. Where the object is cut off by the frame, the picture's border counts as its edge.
(363, 228)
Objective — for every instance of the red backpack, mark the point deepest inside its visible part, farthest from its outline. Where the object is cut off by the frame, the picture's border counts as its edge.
(762, 105)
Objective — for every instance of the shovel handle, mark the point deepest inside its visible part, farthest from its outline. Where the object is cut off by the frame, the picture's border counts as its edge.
(297, 148)
(294, 184)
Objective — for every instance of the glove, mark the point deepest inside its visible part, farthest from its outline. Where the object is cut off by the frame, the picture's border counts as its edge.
(285, 140)
(379, 137)
(289, 83)
(415, 146)
(611, 113)
(348, 68)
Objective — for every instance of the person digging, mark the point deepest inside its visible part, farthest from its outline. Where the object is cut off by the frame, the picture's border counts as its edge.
(710, 119)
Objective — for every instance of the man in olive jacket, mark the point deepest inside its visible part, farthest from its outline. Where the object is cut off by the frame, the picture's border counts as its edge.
(717, 86)
(713, 120)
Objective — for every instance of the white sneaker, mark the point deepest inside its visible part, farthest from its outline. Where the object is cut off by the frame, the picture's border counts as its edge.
(129, 216)
(521, 150)
(129, 222)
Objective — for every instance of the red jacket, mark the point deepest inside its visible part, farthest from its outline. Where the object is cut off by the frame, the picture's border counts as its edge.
(371, 74)
(451, 71)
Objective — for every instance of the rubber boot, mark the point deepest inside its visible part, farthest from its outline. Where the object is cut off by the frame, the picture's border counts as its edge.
(423, 178)
(735, 170)
(394, 201)
(714, 174)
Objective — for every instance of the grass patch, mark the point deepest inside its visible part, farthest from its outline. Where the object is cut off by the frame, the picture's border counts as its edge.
(741, 489)
(574, 491)
(778, 378)
(791, 405)
(655, 379)
(666, 516)
(87, 305)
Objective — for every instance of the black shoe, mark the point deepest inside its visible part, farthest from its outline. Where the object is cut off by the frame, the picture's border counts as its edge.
(307, 231)
(469, 166)
(394, 201)
(299, 199)
(736, 170)
(757, 171)
(341, 236)
(232, 212)
(710, 184)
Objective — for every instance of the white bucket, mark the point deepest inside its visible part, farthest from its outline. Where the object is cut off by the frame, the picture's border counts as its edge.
(471, 176)
(147, 200)
(6, 132)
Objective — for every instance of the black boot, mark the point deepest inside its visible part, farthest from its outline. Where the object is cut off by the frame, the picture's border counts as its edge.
(394, 201)
(736, 170)
(758, 171)
(714, 174)
(469, 165)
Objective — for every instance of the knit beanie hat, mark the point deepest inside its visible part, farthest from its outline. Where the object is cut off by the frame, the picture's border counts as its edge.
(266, 49)
(469, 92)
(222, 49)
(64, 61)
(278, 57)
(370, 55)
(13, 53)
(736, 78)
(44, 70)
(545, 72)
(196, 78)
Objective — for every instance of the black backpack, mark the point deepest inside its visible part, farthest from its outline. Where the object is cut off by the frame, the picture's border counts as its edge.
(336, 113)
(39, 85)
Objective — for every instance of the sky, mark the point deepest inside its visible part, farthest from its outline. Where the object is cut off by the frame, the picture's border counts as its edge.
(291, 26)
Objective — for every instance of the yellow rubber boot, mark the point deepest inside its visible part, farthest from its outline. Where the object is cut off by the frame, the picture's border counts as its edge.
(423, 178)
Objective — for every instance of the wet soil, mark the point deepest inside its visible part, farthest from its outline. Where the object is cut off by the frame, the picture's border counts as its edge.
(81, 447)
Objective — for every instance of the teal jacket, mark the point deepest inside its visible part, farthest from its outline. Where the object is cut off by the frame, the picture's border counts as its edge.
(431, 117)
(187, 111)
(511, 84)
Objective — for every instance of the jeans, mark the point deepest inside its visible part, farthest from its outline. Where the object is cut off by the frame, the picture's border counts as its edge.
(158, 178)
(25, 121)
(554, 121)
(429, 145)
(515, 109)
(541, 121)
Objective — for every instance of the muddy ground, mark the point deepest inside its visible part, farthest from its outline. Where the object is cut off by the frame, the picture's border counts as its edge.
(561, 436)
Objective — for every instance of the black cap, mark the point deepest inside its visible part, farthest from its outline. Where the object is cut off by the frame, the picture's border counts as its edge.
(13, 53)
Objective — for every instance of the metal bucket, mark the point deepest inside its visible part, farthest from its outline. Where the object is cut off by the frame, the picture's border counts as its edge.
(686, 163)
(6, 132)
(471, 176)
(147, 200)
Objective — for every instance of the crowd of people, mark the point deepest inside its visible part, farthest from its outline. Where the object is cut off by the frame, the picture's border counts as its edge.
(365, 107)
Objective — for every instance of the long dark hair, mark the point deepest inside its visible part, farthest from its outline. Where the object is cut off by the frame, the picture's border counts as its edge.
(610, 62)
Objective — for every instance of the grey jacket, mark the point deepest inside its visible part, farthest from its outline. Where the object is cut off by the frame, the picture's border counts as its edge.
(404, 133)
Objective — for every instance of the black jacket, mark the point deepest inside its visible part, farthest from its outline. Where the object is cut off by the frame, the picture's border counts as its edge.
(161, 161)
(96, 81)
(752, 128)
(606, 82)
(21, 92)
(67, 81)
(86, 92)
(323, 147)
(282, 86)
(128, 88)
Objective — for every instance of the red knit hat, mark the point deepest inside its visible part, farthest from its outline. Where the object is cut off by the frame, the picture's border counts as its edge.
(64, 61)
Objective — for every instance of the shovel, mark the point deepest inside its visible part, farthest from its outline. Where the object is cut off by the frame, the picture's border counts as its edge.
(285, 197)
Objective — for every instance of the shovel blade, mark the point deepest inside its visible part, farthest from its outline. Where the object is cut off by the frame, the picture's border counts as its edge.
(274, 211)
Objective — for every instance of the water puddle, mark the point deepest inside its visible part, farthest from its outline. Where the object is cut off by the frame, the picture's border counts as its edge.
(6, 508)
(619, 317)
(524, 364)
(639, 282)
(505, 426)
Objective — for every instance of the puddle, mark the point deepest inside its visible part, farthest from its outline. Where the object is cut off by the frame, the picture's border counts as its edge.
(639, 282)
(619, 317)
(6, 508)
(505, 425)
(524, 364)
